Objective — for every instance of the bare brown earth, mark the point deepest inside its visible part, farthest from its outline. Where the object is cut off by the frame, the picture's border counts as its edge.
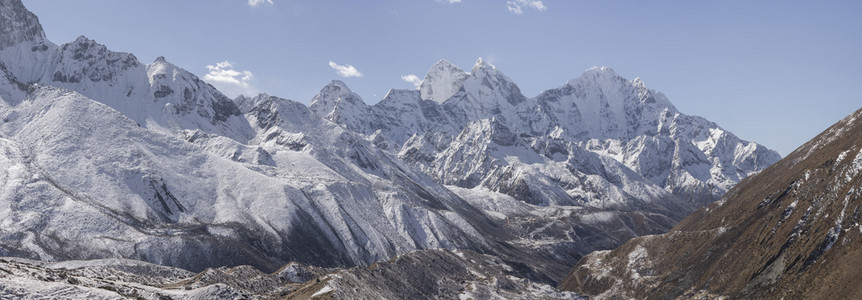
(790, 232)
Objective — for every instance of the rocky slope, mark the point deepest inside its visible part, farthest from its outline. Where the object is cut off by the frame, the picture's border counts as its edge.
(129, 279)
(423, 274)
(430, 274)
(790, 232)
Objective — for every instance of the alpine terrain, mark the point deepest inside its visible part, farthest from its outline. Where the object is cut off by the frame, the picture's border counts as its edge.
(790, 232)
(119, 165)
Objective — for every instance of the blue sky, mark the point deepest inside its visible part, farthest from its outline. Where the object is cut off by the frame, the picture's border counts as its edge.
(776, 72)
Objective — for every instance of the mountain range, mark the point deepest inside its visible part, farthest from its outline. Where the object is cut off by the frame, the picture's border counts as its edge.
(107, 157)
(790, 232)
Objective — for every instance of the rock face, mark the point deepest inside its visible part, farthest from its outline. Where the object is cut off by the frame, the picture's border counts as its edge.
(790, 232)
(18, 25)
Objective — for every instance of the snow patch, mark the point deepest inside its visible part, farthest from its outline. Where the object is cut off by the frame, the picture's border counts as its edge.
(321, 292)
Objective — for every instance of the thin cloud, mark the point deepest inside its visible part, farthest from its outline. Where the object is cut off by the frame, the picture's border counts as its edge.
(254, 3)
(345, 71)
(412, 79)
(449, 1)
(230, 81)
(517, 6)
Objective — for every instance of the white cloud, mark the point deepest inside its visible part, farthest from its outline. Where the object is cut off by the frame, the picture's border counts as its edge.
(345, 71)
(254, 3)
(229, 81)
(412, 79)
(449, 1)
(517, 6)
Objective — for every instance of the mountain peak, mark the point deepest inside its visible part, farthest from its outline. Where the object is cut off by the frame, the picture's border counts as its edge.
(85, 42)
(339, 85)
(600, 71)
(82, 39)
(333, 97)
(443, 67)
(442, 81)
(592, 74)
(481, 64)
(246, 103)
(339, 91)
(162, 68)
(443, 64)
(17, 24)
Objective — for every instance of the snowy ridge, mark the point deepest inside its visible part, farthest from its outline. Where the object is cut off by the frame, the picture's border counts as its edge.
(140, 193)
(442, 81)
(601, 112)
(160, 96)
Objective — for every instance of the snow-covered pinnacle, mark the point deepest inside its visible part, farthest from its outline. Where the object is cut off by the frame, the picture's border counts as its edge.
(17, 24)
(185, 101)
(82, 39)
(602, 104)
(484, 84)
(245, 103)
(334, 98)
(595, 74)
(85, 59)
(442, 81)
(489, 86)
(483, 92)
(336, 90)
(481, 65)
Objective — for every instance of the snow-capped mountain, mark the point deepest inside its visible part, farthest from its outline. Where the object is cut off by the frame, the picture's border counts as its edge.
(85, 181)
(160, 96)
(626, 125)
(108, 157)
(792, 231)
(442, 82)
(104, 157)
